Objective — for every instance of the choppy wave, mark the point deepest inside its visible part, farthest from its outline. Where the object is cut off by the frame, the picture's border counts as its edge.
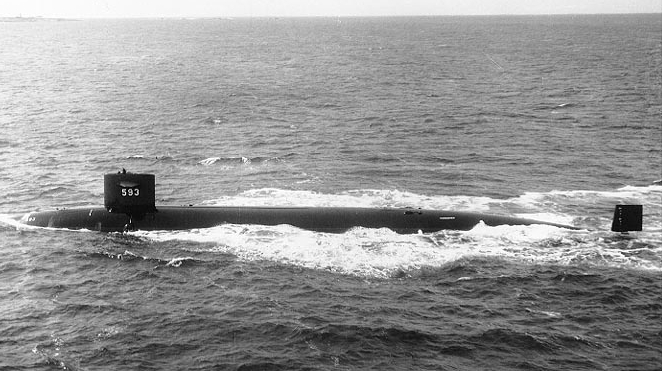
(128, 256)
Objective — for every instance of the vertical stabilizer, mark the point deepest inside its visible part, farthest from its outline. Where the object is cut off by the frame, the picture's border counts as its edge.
(627, 218)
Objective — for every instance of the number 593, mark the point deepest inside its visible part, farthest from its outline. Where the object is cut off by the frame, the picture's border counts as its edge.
(130, 192)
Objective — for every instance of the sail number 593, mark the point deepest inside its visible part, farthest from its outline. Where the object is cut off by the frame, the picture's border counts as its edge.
(130, 192)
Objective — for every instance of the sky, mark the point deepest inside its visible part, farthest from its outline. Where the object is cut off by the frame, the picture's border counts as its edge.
(297, 8)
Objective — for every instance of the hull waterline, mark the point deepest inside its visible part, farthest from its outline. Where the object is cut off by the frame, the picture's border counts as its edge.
(320, 219)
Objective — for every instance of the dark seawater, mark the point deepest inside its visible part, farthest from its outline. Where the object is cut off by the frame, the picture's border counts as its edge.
(556, 118)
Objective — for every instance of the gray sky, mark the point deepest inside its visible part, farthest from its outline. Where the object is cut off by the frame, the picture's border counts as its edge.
(283, 8)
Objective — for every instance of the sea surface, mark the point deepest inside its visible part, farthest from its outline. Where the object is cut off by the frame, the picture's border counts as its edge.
(550, 117)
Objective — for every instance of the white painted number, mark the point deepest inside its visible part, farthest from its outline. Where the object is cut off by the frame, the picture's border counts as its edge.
(130, 192)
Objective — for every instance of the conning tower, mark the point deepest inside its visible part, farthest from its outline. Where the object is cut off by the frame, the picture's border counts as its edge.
(129, 193)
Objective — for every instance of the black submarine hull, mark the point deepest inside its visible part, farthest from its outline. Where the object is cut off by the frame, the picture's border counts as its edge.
(320, 219)
(129, 204)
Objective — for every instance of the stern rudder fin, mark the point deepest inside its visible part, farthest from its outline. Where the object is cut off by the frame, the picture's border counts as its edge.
(627, 218)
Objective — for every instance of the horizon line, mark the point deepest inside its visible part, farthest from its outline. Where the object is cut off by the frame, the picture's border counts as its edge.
(312, 16)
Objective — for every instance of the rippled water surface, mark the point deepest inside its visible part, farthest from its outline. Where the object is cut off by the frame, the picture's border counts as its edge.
(554, 118)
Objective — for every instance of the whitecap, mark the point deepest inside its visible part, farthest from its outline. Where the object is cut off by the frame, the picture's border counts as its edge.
(209, 161)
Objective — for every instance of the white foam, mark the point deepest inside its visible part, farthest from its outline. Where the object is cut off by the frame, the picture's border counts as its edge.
(642, 193)
(642, 189)
(360, 251)
(177, 262)
(353, 198)
(18, 222)
(209, 161)
(381, 252)
(10, 220)
(547, 205)
(548, 217)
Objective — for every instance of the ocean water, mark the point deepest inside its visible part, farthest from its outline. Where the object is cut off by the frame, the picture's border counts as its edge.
(550, 117)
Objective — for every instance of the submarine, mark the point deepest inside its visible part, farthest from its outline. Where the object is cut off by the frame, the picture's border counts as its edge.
(130, 205)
